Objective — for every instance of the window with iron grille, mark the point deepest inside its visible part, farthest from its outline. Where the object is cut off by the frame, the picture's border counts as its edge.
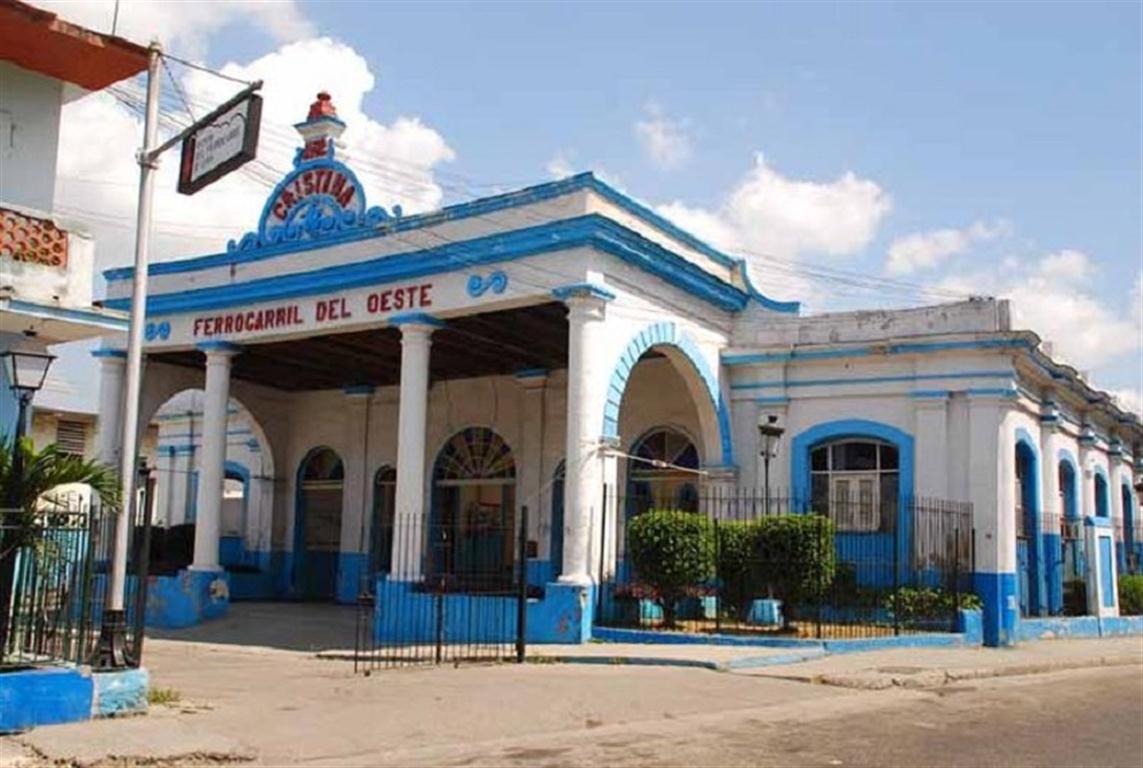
(857, 482)
(71, 436)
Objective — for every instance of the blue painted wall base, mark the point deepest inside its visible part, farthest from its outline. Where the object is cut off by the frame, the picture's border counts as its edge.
(1079, 626)
(404, 614)
(352, 568)
(187, 599)
(44, 696)
(120, 692)
(1001, 613)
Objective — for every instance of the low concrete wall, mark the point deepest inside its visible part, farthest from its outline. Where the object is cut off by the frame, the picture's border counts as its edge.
(44, 696)
(405, 614)
(186, 599)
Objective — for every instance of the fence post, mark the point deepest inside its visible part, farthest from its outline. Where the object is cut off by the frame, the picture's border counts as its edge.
(602, 555)
(522, 589)
(142, 564)
(820, 601)
(717, 578)
(897, 568)
(440, 604)
(956, 577)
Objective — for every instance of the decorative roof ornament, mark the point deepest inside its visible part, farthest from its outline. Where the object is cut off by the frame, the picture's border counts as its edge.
(321, 197)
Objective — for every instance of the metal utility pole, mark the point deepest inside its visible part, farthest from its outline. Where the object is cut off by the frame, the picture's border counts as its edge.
(112, 650)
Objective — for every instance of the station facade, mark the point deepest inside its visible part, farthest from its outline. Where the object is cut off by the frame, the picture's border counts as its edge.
(552, 347)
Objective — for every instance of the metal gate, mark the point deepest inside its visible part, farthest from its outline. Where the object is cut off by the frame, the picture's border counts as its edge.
(455, 591)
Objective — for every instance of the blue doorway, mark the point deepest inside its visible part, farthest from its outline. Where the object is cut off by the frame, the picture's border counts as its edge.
(1029, 539)
(317, 527)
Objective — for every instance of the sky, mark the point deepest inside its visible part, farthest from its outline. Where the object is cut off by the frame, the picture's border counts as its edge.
(858, 155)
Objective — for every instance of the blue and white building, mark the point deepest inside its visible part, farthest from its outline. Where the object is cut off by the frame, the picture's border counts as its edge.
(511, 351)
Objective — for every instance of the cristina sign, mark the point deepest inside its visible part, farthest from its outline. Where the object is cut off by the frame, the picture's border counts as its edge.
(321, 197)
(223, 145)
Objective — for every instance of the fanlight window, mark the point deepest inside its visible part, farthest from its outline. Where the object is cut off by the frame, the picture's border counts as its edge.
(475, 453)
(663, 472)
(856, 483)
(323, 466)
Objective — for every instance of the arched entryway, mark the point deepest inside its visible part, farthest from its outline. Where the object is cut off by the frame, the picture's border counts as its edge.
(1129, 560)
(381, 530)
(471, 541)
(662, 472)
(556, 545)
(317, 524)
(1073, 590)
(1026, 513)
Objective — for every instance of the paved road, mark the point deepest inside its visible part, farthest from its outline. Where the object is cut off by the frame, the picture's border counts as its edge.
(288, 708)
(1078, 718)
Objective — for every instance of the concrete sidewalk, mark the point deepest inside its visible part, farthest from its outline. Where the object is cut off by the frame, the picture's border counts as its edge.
(274, 706)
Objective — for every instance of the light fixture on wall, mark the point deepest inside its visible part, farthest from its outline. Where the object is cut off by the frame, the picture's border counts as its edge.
(769, 433)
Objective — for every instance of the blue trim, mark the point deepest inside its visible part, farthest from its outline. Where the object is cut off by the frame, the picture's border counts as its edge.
(358, 389)
(780, 400)
(875, 380)
(1097, 522)
(107, 352)
(218, 346)
(416, 318)
(754, 358)
(591, 230)
(930, 394)
(477, 286)
(588, 290)
(44, 696)
(478, 207)
(660, 334)
(1032, 504)
(992, 392)
(531, 373)
(804, 443)
(85, 316)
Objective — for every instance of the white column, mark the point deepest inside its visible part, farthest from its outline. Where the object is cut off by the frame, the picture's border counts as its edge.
(932, 446)
(412, 421)
(212, 471)
(583, 488)
(112, 365)
(531, 470)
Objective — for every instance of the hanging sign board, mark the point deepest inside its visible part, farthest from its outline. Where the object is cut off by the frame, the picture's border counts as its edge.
(222, 145)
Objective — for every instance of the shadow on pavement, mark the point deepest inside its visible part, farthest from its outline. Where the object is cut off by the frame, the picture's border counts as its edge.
(280, 625)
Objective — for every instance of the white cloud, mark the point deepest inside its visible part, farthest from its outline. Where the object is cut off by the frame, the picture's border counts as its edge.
(775, 215)
(184, 27)
(98, 177)
(926, 250)
(666, 141)
(560, 166)
(1130, 400)
(1048, 296)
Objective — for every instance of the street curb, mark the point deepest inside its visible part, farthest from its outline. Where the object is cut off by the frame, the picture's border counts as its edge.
(935, 678)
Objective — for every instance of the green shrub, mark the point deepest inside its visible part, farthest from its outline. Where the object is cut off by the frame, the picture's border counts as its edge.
(793, 559)
(673, 552)
(918, 606)
(737, 540)
(1131, 594)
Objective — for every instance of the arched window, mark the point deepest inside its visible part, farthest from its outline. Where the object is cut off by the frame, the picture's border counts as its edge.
(663, 473)
(475, 453)
(856, 482)
(1102, 500)
(1067, 479)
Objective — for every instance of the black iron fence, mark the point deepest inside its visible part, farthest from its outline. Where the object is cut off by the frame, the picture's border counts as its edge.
(455, 590)
(57, 567)
(841, 565)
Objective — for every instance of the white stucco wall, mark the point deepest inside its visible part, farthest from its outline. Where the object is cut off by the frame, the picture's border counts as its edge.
(29, 136)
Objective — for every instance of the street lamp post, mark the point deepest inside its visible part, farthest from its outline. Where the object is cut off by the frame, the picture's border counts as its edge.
(26, 372)
(770, 433)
